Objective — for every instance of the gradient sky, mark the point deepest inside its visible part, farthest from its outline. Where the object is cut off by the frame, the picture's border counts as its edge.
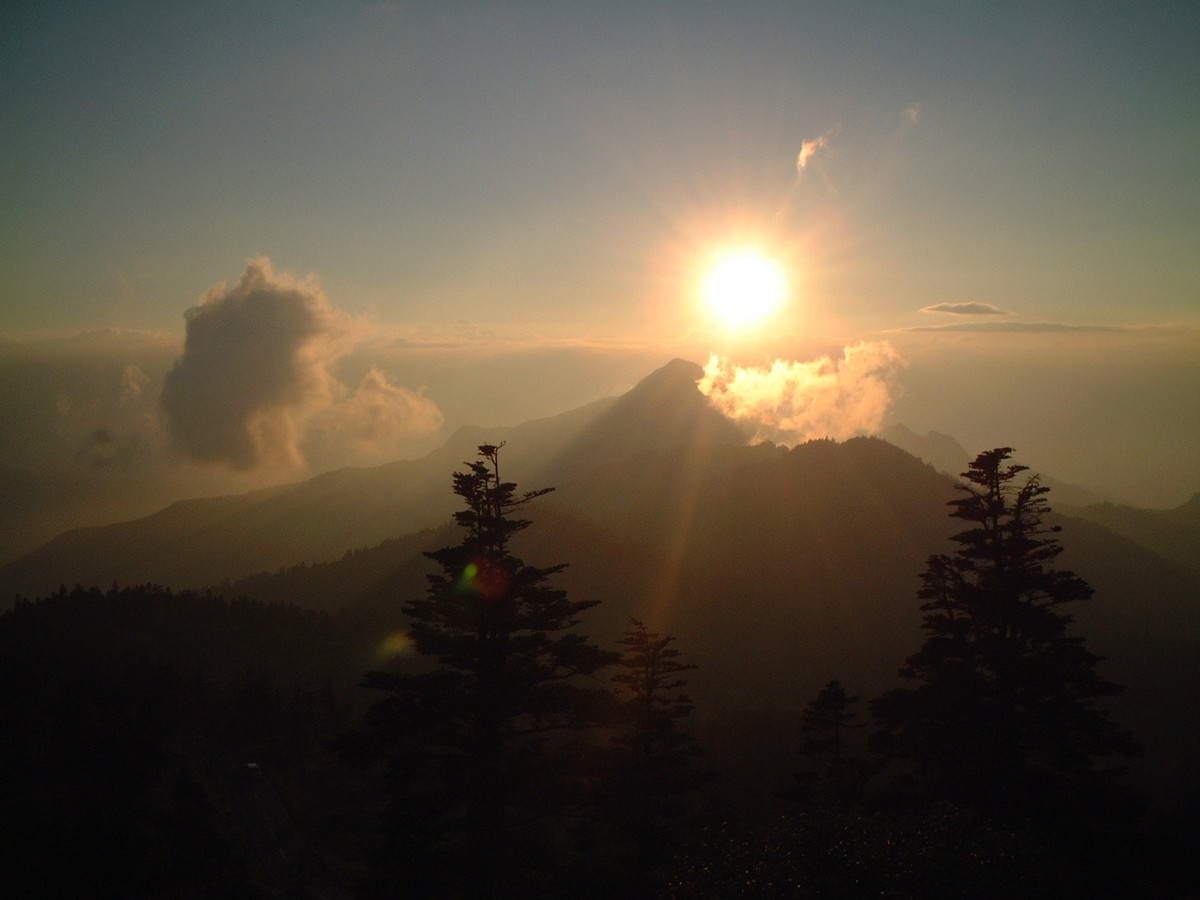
(535, 164)
(554, 175)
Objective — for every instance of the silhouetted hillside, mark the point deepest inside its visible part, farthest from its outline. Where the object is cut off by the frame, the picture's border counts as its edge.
(158, 744)
(744, 552)
(203, 633)
(777, 569)
(780, 569)
(200, 542)
(1174, 533)
(947, 455)
(665, 409)
(941, 451)
(774, 569)
(196, 543)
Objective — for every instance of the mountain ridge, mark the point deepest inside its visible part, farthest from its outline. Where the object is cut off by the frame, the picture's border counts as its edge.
(320, 518)
(776, 569)
(202, 541)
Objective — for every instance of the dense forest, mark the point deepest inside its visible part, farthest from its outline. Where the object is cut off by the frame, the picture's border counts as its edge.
(436, 717)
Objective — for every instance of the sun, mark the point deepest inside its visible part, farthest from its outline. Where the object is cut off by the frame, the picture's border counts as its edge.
(744, 287)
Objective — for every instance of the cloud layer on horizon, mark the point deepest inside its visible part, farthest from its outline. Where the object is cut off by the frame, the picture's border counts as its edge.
(1014, 327)
(256, 377)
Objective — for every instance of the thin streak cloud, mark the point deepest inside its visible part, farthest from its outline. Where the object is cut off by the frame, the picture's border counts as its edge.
(1014, 327)
(966, 309)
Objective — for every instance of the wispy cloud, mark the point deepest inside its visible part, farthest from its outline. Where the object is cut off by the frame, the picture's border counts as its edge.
(808, 149)
(966, 309)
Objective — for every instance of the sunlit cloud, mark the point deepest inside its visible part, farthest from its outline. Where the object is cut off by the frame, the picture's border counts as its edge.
(256, 375)
(912, 112)
(134, 383)
(808, 149)
(372, 423)
(965, 309)
(790, 402)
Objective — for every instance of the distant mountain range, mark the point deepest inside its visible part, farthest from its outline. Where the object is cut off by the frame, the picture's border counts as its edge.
(776, 569)
(194, 543)
(947, 455)
(199, 542)
(1175, 533)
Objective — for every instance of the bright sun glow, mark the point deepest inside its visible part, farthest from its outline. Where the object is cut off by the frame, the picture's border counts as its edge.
(744, 287)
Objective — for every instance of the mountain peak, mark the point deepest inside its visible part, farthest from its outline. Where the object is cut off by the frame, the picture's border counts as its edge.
(941, 451)
(682, 373)
(664, 409)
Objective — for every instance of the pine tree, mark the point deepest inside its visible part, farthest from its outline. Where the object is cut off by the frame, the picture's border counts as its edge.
(1003, 715)
(651, 746)
(478, 743)
(825, 723)
(651, 774)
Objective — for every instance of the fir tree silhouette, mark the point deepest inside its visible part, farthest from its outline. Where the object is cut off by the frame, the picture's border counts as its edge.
(480, 745)
(826, 723)
(1002, 717)
(648, 774)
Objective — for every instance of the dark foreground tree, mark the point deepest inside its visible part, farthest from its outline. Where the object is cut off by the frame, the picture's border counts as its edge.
(650, 775)
(835, 773)
(651, 745)
(1002, 717)
(479, 744)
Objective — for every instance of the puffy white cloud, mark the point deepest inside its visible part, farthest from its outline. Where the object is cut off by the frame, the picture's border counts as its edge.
(373, 423)
(257, 373)
(790, 402)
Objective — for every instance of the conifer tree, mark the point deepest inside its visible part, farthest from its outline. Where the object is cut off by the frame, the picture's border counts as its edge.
(1002, 717)
(477, 743)
(825, 723)
(651, 774)
(651, 746)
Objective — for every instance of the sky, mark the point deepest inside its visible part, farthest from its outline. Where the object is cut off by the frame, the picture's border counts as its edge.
(372, 222)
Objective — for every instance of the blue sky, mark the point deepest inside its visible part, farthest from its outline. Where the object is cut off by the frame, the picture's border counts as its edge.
(511, 206)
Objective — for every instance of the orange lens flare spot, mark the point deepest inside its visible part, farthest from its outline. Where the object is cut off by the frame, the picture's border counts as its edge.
(398, 643)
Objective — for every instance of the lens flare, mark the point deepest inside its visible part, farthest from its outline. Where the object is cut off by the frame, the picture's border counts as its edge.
(484, 577)
(398, 643)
